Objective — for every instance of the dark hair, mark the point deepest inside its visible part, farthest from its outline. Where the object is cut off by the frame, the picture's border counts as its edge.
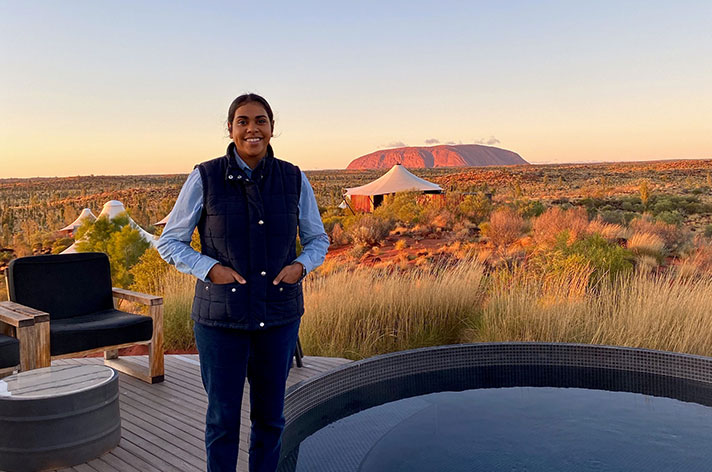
(248, 98)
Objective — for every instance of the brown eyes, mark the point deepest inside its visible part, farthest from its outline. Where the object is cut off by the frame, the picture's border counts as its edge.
(261, 121)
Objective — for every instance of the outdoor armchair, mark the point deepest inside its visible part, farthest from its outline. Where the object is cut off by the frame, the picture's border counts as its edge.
(75, 291)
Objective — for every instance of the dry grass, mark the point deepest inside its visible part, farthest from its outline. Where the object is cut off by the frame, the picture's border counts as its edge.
(178, 290)
(367, 312)
(663, 312)
(647, 244)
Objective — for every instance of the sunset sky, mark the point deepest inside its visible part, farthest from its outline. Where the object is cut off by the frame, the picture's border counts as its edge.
(139, 87)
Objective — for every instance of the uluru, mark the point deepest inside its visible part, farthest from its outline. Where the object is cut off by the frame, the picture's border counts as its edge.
(455, 155)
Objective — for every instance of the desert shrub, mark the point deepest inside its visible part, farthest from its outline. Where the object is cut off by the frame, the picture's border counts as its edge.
(619, 217)
(61, 244)
(402, 207)
(604, 260)
(555, 220)
(504, 227)
(330, 221)
(675, 238)
(475, 208)
(400, 244)
(671, 217)
(707, 231)
(358, 250)
(698, 260)
(338, 236)
(370, 230)
(530, 208)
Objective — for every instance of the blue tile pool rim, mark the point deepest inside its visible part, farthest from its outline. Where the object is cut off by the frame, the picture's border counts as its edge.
(318, 401)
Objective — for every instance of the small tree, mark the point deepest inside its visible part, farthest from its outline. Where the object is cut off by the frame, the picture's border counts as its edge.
(117, 239)
(644, 190)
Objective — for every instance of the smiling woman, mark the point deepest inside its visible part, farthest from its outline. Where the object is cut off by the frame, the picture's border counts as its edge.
(248, 207)
(251, 125)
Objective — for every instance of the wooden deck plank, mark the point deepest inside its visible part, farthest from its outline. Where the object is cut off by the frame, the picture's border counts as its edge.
(163, 425)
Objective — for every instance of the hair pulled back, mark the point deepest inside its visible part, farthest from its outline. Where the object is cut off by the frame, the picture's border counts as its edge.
(249, 98)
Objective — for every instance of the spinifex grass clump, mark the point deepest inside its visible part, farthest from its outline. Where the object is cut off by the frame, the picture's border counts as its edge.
(367, 312)
(663, 312)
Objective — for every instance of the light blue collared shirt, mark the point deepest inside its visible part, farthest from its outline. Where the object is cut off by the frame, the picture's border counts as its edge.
(174, 243)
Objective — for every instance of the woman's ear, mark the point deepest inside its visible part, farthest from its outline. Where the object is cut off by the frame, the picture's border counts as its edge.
(229, 129)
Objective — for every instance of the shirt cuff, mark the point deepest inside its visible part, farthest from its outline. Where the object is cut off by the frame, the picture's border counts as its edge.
(203, 266)
(303, 259)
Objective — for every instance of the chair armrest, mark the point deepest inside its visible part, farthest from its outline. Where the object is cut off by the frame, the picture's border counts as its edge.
(137, 297)
(20, 315)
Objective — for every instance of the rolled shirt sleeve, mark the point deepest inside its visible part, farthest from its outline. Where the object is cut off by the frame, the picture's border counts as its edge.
(174, 243)
(315, 241)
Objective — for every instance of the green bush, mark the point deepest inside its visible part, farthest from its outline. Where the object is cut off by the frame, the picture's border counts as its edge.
(670, 217)
(476, 208)
(530, 208)
(606, 260)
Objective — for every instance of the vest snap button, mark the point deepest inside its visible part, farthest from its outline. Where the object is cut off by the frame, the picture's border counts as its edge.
(263, 273)
(234, 289)
(239, 177)
(230, 177)
(260, 222)
(207, 288)
(262, 324)
(281, 289)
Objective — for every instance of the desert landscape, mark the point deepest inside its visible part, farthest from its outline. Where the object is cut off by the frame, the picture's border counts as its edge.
(573, 240)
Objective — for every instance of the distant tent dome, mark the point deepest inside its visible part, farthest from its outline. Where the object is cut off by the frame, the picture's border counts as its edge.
(398, 179)
(72, 227)
(111, 210)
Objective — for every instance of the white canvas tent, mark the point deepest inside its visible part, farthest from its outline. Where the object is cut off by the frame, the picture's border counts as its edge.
(111, 210)
(398, 179)
(72, 227)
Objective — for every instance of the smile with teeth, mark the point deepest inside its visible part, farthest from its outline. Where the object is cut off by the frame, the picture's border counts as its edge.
(253, 140)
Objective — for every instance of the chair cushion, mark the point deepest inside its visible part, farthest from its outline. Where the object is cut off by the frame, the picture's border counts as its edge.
(106, 328)
(9, 351)
(63, 285)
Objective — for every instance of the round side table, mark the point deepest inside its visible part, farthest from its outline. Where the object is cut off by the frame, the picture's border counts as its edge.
(58, 416)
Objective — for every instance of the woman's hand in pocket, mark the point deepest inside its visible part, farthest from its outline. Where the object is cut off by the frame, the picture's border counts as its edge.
(220, 274)
(290, 274)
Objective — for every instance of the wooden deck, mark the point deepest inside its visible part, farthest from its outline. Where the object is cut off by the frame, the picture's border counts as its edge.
(163, 424)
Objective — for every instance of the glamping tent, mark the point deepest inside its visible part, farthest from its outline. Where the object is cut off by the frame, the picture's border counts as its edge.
(398, 179)
(111, 210)
(72, 227)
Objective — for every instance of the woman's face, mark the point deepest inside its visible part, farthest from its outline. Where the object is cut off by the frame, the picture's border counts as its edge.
(251, 131)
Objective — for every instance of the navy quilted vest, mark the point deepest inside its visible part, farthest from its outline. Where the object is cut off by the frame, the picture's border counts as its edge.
(249, 224)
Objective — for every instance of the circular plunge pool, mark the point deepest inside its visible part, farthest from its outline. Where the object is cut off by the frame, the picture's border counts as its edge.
(511, 406)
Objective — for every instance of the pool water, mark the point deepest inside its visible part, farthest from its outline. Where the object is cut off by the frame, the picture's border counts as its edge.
(516, 429)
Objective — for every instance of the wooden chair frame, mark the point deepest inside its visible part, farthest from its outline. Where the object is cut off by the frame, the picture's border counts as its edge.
(154, 373)
(30, 328)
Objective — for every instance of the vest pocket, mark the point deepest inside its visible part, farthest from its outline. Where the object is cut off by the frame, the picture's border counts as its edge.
(222, 302)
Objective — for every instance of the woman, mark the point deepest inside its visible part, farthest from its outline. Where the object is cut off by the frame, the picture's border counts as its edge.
(247, 206)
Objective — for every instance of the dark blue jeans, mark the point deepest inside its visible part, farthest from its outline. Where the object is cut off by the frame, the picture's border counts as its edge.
(227, 356)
